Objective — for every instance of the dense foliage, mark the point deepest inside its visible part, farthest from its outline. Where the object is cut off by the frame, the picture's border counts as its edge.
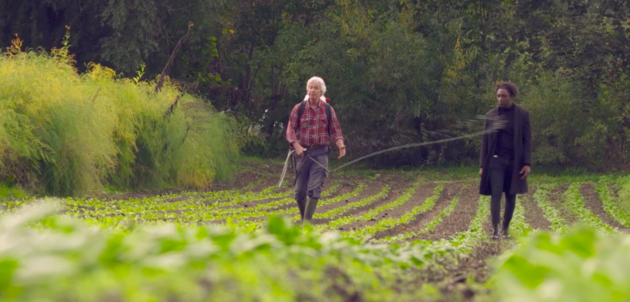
(580, 265)
(397, 71)
(46, 257)
(67, 133)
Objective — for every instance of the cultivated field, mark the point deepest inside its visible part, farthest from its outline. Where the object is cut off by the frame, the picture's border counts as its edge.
(445, 219)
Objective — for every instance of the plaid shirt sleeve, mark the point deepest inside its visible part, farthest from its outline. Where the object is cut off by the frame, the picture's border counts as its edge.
(292, 126)
(335, 132)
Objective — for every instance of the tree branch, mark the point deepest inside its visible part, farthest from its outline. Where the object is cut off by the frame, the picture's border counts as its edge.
(160, 82)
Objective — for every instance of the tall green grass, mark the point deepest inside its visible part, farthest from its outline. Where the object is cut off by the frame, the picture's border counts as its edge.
(66, 133)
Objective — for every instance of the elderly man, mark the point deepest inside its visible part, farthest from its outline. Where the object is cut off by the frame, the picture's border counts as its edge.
(505, 155)
(312, 124)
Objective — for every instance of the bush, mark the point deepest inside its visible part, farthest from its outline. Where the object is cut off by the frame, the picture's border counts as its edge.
(66, 133)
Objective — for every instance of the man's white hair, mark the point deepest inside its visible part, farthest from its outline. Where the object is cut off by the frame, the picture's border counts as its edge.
(319, 82)
(322, 86)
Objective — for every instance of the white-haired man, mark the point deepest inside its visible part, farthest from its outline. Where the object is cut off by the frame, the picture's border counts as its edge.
(312, 124)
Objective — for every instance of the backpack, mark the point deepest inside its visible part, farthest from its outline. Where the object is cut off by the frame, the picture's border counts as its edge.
(328, 114)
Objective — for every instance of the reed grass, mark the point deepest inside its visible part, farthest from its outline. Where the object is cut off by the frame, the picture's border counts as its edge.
(65, 133)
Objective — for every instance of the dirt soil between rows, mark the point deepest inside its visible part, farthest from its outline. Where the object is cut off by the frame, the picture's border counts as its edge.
(396, 190)
(556, 199)
(595, 205)
(422, 219)
(370, 189)
(419, 196)
(460, 218)
(534, 216)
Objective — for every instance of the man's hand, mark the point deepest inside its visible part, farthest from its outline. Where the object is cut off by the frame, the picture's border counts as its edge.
(299, 151)
(341, 147)
(525, 171)
(342, 152)
(480, 171)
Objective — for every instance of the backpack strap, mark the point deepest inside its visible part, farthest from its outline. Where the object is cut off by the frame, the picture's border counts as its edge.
(328, 116)
(301, 112)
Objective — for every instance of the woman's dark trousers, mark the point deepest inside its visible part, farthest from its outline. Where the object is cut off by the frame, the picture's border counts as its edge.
(500, 180)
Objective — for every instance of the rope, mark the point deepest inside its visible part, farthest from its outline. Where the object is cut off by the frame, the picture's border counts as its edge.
(284, 170)
(411, 146)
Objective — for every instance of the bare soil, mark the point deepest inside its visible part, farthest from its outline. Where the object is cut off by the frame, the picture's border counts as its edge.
(395, 191)
(534, 216)
(420, 195)
(556, 199)
(422, 219)
(594, 204)
(370, 189)
(459, 220)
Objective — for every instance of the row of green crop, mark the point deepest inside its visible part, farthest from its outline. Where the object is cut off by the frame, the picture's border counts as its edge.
(466, 241)
(251, 222)
(251, 225)
(541, 197)
(611, 204)
(576, 201)
(67, 260)
(163, 202)
(177, 259)
(373, 213)
(391, 222)
(158, 203)
(209, 213)
(96, 207)
(330, 214)
(323, 202)
(519, 226)
(430, 226)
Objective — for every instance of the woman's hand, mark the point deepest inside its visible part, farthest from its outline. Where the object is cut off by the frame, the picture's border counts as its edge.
(525, 171)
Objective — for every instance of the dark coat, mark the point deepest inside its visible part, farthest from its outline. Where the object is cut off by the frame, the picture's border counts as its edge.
(522, 150)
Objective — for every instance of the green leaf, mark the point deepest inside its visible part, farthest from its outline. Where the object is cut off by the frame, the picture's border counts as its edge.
(7, 267)
(529, 274)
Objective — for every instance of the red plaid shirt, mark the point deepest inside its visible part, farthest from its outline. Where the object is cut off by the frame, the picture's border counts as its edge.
(313, 126)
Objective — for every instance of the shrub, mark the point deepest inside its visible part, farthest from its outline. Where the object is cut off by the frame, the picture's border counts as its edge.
(69, 133)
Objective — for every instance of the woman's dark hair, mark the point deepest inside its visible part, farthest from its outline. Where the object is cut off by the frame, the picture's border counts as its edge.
(509, 86)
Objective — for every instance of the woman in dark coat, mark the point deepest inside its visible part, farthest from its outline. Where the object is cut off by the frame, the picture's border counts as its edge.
(505, 155)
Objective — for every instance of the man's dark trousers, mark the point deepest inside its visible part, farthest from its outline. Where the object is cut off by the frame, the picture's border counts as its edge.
(309, 179)
(500, 181)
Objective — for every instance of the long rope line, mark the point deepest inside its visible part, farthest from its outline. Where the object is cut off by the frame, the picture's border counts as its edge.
(446, 140)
